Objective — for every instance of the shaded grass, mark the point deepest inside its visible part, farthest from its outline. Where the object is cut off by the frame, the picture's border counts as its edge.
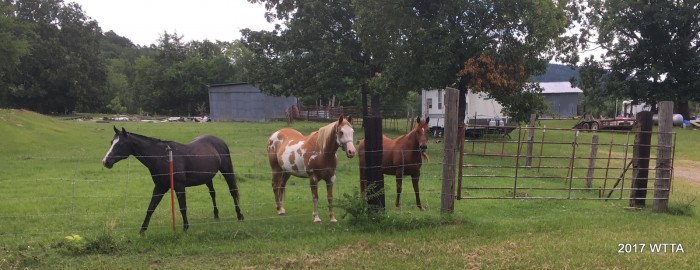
(53, 185)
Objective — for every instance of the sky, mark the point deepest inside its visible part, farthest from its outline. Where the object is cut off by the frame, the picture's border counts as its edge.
(144, 21)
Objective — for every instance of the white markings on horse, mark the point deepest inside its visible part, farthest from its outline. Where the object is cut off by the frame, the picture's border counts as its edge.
(274, 139)
(345, 141)
(114, 142)
(293, 159)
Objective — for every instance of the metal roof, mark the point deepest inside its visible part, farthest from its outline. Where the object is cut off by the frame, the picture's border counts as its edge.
(559, 88)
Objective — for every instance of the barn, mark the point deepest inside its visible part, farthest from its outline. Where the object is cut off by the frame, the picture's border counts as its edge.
(244, 102)
(562, 99)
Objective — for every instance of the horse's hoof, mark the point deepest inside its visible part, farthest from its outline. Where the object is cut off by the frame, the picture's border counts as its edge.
(421, 208)
(216, 219)
(333, 220)
(142, 232)
(281, 212)
(317, 220)
(241, 218)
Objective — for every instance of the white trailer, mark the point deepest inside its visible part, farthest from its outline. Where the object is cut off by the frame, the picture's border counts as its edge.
(630, 110)
(480, 110)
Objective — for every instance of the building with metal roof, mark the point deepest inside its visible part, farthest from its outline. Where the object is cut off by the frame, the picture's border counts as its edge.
(563, 99)
(244, 102)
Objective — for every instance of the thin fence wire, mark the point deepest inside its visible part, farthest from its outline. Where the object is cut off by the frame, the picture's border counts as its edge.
(85, 196)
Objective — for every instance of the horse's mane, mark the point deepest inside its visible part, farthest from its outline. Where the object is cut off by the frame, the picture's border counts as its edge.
(323, 132)
(148, 139)
(326, 131)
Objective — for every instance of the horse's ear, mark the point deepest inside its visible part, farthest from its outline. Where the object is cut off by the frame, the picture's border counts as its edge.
(349, 119)
(427, 120)
(123, 131)
(116, 131)
(340, 121)
(418, 119)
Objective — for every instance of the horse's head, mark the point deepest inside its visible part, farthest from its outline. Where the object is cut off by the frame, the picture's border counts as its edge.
(421, 131)
(118, 150)
(344, 136)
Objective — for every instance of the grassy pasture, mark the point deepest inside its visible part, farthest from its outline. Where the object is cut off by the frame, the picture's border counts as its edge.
(53, 185)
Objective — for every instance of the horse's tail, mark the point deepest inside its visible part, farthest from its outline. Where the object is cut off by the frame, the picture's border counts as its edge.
(425, 157)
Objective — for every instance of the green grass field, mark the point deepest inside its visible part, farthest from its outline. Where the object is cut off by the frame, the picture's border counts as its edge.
(53, 186)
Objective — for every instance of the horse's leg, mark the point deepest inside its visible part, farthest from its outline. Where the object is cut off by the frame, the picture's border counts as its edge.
(399, 187)
(329, 191)
(233, 189)
(212, 193)
(279, 180)
(182, 201)
(363, 182)
(314, 196)
(155, 200)
(415, 179)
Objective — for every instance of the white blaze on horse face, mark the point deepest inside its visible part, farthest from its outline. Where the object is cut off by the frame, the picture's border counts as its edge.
(346, 140)
(293, 159)
(114, 142)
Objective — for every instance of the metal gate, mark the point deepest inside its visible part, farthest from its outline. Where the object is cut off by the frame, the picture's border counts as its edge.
(559, 163)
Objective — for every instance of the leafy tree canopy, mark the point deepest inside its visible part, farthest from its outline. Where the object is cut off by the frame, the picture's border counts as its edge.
(653, 50)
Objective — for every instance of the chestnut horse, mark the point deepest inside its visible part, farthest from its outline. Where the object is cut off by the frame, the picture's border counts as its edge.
(401, 156)
(313, 157)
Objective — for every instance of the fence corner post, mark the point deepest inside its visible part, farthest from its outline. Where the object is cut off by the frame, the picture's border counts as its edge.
(662, 183)
(450, 150)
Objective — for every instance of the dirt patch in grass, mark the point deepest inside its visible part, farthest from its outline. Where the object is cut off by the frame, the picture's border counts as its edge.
(501, 254)
(687, 170)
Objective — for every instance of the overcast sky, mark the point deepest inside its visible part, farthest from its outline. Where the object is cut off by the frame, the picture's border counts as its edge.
(143, 21)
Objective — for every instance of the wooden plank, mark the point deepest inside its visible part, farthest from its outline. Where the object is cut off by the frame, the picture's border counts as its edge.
(530, 139)
(591, 161)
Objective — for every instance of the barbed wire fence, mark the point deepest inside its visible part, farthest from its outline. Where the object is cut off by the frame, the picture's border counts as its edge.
(85, 197)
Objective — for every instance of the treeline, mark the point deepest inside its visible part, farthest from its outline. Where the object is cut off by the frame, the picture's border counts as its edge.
(55, 59)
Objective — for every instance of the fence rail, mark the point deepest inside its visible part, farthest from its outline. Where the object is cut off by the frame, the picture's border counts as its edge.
(556, 163)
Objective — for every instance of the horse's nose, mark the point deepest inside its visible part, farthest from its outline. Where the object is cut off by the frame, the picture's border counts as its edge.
(423, 147)
(107, 164)
(350, 152)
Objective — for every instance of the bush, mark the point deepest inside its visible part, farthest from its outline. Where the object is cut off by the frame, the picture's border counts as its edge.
(359, 211)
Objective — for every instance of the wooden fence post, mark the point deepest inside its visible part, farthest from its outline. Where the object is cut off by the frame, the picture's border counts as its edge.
(662, 184)
(450, 150)
(373, 157)
(530, 139)
(640, 159)
(591, 161)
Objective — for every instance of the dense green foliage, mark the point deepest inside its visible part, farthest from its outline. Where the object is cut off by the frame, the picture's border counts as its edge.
(652, 51)
(57, 60)
(493, 47)
(393, 47)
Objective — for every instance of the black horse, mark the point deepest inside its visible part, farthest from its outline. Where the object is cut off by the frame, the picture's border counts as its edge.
(194, 164)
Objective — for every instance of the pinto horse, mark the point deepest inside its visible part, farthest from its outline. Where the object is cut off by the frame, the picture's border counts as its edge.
(291, 153)
(401, 156)
(194, 164)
